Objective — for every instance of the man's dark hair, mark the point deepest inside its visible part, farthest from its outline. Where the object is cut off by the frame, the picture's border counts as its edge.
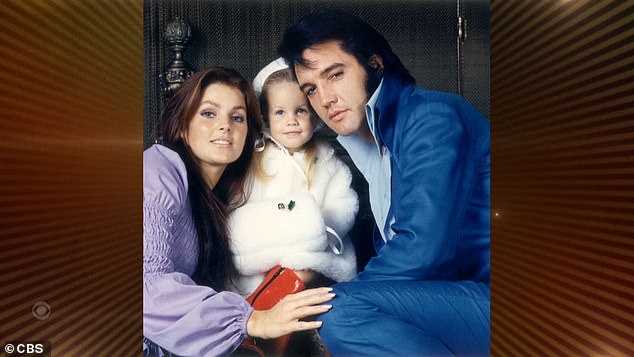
(355, 35)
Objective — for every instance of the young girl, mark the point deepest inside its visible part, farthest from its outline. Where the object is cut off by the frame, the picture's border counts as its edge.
(301, 206)
(190, 184)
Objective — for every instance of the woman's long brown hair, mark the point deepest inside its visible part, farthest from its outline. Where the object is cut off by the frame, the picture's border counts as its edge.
(210, 208)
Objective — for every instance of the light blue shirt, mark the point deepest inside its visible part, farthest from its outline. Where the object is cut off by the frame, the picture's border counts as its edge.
(374, 163)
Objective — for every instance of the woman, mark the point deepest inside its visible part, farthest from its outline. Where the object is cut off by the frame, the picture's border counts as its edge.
(190, 184)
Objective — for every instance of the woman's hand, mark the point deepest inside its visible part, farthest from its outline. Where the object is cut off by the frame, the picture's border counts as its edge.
(285, 317)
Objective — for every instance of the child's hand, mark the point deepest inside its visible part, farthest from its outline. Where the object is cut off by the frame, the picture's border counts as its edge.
(313, 279)
(307, 276)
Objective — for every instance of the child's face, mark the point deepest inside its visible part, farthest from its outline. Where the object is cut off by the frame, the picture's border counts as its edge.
(289, 117)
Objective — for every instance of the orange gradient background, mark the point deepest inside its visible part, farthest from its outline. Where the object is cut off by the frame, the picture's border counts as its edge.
(71, 141)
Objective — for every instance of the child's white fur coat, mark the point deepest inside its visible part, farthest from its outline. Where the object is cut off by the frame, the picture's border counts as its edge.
(264, 235)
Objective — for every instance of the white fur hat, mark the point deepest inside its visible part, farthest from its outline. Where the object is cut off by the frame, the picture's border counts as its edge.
(277, 65)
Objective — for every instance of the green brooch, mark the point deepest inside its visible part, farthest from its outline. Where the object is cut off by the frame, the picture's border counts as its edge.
(290, 205)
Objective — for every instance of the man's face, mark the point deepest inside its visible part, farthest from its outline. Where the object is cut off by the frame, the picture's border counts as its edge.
(335, 84)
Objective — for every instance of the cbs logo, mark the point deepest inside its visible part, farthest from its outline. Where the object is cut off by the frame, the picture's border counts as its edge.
(22, 348)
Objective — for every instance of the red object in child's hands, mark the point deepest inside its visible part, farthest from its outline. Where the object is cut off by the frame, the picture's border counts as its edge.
(278, 283)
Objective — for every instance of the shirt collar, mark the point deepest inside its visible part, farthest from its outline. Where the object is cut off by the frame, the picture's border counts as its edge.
(358, 148)
(371, 115)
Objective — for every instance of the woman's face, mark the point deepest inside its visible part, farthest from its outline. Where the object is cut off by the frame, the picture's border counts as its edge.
(218, 130)
(289, 117)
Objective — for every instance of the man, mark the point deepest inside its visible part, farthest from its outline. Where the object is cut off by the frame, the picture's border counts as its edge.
(425, 156)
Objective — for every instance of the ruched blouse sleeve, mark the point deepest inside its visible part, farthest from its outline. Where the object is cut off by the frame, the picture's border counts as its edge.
(179, 315)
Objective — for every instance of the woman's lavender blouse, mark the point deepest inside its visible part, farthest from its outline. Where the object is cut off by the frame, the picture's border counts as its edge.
(180, 316)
